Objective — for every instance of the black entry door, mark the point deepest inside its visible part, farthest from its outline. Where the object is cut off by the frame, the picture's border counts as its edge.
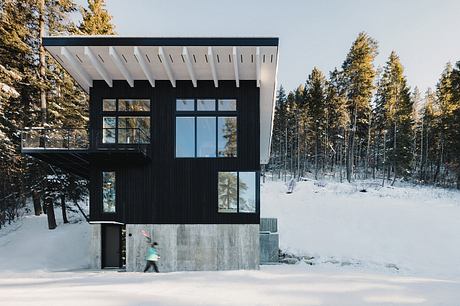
(111, 246)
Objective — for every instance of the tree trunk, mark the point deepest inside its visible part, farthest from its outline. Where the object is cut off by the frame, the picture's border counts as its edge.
(42, 59)
(36, 201)
(395, 155)
(316, 152)
(64, 210)
(50, 212)
(368, 148)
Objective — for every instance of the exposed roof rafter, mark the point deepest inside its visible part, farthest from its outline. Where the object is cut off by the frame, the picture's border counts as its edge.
(121, 66)
(258, 66)
(188, 62)
(144, 66)
(168, 70)
(84, 76)
(97, 64)
(235, 66)
(213, 67)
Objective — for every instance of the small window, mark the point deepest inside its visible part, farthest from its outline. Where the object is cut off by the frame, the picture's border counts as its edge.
(185, 105)
(206, 105)
(109, 105)
(185, 137)
(133, 105)
(108, 129)
(227, 105)
(108, 192)
(237, 192)
(206, 136)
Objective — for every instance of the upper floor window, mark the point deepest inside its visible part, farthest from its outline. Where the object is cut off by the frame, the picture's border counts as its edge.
(206, 128)
(126, 121)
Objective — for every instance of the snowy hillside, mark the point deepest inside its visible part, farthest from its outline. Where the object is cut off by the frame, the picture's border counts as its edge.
(414, 229)
(29, 245)
(385, 246)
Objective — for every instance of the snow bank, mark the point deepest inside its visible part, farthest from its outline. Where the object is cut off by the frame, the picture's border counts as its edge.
(29, 245)
(417, 229)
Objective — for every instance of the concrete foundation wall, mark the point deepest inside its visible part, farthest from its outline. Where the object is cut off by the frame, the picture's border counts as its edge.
(195, 247)
(95, 247)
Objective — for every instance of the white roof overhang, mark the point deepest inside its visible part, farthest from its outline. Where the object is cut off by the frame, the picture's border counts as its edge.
(108, 58)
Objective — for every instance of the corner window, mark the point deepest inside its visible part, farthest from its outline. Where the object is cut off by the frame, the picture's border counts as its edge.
(108, 192)
(206, 128)
(126, 121)
(237, 192)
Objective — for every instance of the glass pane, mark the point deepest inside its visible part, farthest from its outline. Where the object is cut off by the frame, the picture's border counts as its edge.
(247, 192)
(206, 136)
(108, 129)
(206, 104)
(109, 105)
(108, 192)
(134, 105)
(185, 105)
(134, 129)
(226, 133)
(227, 191)
(185, 137)
(227, 105)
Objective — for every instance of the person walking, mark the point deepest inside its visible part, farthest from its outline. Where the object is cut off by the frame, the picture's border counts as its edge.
(152, 257)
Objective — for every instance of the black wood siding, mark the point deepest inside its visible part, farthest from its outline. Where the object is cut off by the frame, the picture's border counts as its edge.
(169, 190)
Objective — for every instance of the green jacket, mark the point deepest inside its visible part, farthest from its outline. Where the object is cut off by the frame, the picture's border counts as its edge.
(152, 254)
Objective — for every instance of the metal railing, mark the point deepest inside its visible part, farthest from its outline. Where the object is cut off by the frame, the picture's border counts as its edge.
(79, 139)
(124, 136)
(55, 138)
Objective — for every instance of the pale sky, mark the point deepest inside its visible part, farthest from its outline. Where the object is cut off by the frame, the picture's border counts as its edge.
(424, 33)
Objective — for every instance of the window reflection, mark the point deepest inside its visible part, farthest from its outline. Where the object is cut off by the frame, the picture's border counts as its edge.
(227, 104)
(185, 137)
(247, 192)
(134, 105)
(108, 128)
(133, 129)
(227, 131)
(228, 192)
(108, 192)
(206, 136)
(185, 105)
(206, 104)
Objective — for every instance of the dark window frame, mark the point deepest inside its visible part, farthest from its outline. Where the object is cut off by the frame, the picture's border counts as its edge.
(216, 113)
(117, 113)
(256, 195)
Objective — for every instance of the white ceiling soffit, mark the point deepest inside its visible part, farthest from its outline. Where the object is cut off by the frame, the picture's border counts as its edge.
(173, 63)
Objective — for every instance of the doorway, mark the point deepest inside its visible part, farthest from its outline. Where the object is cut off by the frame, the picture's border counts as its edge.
(112, 246)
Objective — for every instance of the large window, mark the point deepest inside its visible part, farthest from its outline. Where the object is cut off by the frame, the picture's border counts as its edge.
(206, 128)
(126, 121)
(108, 192)
(237, 192)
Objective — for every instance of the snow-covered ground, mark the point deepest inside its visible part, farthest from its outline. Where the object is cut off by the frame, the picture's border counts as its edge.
(386, 246)
(413, 229)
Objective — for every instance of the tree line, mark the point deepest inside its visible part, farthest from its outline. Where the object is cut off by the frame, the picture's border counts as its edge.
(36, 91)
(364, 122)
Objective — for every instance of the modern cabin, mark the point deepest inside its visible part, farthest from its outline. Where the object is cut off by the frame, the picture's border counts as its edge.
(178, 130)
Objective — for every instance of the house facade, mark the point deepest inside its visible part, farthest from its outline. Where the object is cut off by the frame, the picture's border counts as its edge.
(177, 134)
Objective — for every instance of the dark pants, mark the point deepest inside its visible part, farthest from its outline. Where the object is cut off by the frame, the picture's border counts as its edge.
(151, 263)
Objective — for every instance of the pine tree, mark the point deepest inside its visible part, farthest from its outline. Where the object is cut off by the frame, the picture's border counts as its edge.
(359, 74)
(315, 104)
(96, 19)
(394, 109)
